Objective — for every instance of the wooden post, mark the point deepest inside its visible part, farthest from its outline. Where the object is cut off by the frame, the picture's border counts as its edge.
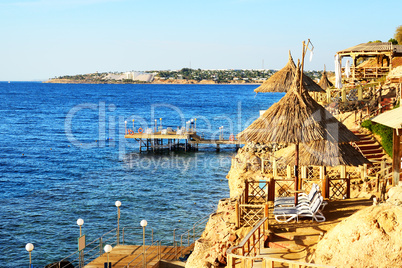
(303, 172)
(383, 165)
(288, 172)
(343, 95)
(343, 172)
(396, 158)
(364, 171)
(378, 176)
(271, 190)
(246, 192)
(262, 166)
(348, 187)
(230, 261)
(325, 182)
(328, 95)
(274, 168)
(266, 214)
(360, 93)
(268, 263)
(237, 215)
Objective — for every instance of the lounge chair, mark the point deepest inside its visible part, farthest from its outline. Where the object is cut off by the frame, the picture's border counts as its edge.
(302, 198)
(285, 214)
(313, 211)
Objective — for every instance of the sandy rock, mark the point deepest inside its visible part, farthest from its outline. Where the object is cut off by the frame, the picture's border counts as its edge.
(369, 238)
(395, 72)
(197, 258)
(395, 196)
(217, 237)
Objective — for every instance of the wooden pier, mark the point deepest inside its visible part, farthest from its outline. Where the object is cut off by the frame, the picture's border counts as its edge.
(132, 256)
(173, 141)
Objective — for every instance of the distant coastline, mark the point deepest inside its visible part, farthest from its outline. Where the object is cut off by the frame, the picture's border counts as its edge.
(185, 76)
(156, 81)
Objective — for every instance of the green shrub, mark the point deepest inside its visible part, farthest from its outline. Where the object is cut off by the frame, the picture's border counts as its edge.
(367, 124)
(386, 134)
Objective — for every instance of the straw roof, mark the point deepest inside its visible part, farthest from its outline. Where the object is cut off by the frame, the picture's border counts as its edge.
(282, 80)
(324, 82)
(296, 118)
(325, 153)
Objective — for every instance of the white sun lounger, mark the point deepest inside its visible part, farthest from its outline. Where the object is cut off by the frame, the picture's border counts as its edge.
(302, 198)
(285, 214)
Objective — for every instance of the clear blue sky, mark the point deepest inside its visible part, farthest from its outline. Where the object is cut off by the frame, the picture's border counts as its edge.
(41, 39)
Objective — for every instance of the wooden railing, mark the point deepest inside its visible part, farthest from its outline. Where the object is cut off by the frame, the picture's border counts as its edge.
(252, 204)
(368, 72)
(248, 252)
(250, 245)
(339, 188)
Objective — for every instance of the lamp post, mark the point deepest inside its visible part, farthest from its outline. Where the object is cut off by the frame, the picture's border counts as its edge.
(133, 126)
(160, 121)
(107, 249)
(144, 223)
(221, 133)
(125, 127)
(118, 204)
(80, 222)
(156, 127)
(29, 247)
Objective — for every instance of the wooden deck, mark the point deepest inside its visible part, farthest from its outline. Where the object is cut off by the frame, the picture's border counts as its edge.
(122, 255)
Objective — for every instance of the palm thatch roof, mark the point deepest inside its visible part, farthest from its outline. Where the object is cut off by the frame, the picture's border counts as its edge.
(297, 117)
(326, 153)
(282, 80)
(324, 82)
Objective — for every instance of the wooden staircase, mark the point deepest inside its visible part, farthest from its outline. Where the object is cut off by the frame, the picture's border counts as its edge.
(368, 146)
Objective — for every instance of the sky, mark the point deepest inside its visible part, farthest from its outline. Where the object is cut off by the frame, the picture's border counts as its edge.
(42, 39)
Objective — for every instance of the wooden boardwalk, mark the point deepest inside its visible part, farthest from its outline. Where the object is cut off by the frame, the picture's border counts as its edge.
(122, 255)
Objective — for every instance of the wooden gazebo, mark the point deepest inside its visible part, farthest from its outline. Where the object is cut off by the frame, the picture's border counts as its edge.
(380, 51)
(393, 119)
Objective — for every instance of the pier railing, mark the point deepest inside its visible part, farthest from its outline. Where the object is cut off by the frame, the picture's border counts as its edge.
(152, 253)
(92, 250)
(184, 240)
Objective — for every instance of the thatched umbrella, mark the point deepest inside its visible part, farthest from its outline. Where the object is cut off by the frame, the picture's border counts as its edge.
(282, 80)
(326, 153)
(296, 118)
(324, 82)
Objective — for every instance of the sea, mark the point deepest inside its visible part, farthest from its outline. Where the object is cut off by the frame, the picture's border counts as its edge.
(63, 156)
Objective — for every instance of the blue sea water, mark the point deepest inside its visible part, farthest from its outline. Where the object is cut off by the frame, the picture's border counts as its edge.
(63, 157)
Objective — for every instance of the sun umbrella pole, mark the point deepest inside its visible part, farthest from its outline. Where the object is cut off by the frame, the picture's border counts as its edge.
(302, 65)
(296, 172)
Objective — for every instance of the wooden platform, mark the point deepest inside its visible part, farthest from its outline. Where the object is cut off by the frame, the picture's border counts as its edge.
(122, 255)
(171, 141)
